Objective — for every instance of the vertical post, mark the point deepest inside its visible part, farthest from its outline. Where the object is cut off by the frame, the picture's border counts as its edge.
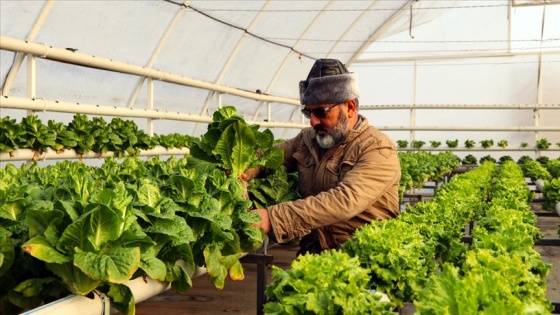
(150, 105)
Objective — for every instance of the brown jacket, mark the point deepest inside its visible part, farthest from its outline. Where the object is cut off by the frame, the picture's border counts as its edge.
(352, 184)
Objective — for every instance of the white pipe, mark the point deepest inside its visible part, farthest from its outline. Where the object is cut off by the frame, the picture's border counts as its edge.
(74, 304)
(50, 154)
(557, 207)
(461, 106)
(68, 107)
(466, 128)
(539, 183)
(142, 288)
(61, 54)
(477, 149)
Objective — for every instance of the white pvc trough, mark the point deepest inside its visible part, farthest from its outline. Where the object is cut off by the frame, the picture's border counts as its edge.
(142, 288)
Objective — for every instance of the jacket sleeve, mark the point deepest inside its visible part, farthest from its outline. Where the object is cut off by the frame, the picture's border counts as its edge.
(376, 170)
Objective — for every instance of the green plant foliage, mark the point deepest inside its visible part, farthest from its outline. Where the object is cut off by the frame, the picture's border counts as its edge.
(233, 146)
(553, 167)
(329, 283)
(543, 144)
(487, 143)
(435, 144)
(487, 158)
(536, 170)
(523, 160)
(402, 143)
(122, 137)
(71, 228)
(417, 144)
(469, 144)
(469, 160)
(504, 158)
(551, 192)
(503, 143)
(405, 264)
(543, 159)
(452, 143)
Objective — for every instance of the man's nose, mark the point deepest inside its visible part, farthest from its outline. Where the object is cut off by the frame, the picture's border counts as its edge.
(313, 120)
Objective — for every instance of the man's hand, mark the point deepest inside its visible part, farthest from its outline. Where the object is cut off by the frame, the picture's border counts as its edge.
(265, 221)
(250, 174)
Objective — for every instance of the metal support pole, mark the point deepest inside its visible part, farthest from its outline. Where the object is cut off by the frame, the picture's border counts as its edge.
(262, 260)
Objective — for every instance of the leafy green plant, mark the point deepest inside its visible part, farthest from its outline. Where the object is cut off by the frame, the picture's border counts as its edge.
(452, 143)
(487, 143)
(392, 250)
(558, 143)
(543, 159)
(504, 158)
(524, 144)
(469, 144)
(553, 167)
(435, 144)
(234, 146)
(469, 160)
(535, 170)
(487, 158)
(10, 135)
(37, 136)
(543, 144)
(551, 192)
(417, 144)
(402, 143)
(523, 159)
(329, 283)
(503, 143)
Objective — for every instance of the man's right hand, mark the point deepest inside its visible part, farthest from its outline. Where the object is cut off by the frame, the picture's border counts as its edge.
(265, 221)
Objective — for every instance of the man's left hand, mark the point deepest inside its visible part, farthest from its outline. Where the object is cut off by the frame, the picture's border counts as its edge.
(265, 221)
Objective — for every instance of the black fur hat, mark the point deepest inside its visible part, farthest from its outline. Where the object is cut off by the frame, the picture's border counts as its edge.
(328, 82)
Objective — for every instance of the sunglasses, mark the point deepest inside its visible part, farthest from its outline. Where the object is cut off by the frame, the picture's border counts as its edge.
(320, 112)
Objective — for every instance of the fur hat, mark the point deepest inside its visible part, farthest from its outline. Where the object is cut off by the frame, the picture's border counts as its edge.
(328, 82)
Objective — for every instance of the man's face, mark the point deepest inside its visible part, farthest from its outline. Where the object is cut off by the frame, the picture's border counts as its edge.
(331, 129)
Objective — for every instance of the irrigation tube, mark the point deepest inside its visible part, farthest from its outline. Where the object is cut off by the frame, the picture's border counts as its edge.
(142, 289)
(60, 54)
(41, 104)
(50, 154)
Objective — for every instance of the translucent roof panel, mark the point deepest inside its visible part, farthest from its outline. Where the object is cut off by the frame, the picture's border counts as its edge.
(405, 52)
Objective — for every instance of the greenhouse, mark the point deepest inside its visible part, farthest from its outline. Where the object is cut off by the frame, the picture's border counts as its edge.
(155, 157)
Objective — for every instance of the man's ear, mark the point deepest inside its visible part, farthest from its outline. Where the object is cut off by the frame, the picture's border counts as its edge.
(352, 108)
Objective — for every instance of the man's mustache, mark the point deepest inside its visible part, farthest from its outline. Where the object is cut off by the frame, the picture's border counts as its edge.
(320, 128)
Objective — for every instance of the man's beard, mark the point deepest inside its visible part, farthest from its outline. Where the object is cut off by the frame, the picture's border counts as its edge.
(335, 136)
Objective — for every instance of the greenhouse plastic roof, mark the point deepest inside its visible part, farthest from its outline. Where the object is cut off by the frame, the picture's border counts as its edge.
(405, 52)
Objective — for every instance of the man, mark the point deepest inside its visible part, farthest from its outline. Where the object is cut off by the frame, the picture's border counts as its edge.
(348, 171)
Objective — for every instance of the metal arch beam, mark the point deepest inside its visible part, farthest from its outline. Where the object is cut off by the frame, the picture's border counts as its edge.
(30, 37)
(379, 32)
(298, 42)
(232, 56)
(158, 49)
(352, 26)
(80, 59)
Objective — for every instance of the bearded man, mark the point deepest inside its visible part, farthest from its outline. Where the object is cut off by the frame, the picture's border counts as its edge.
(349, 171)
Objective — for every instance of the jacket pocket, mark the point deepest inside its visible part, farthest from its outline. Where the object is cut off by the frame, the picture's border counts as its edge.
(340, 168)
(306, 172)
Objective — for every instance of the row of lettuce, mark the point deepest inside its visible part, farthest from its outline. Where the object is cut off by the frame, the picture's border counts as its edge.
(72, 228)
(84, 135)
(419, 257)
(549, 175)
